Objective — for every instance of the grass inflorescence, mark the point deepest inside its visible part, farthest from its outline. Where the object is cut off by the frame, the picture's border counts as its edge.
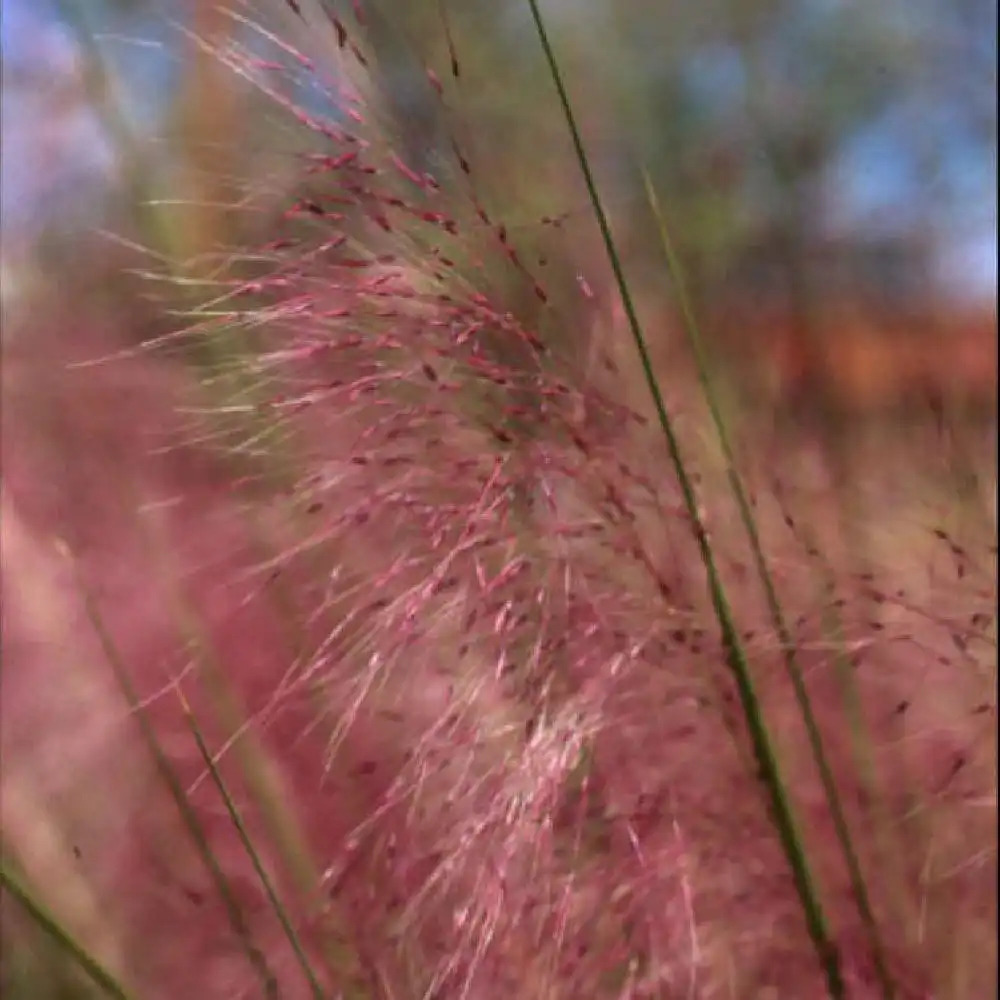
(573, 699)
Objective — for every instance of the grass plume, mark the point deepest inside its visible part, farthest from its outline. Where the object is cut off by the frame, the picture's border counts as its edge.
(537, 713)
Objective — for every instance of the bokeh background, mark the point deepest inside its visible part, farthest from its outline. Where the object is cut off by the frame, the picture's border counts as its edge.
(829, 168)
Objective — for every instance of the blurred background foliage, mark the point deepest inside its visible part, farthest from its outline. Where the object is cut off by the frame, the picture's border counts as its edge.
(827, 166)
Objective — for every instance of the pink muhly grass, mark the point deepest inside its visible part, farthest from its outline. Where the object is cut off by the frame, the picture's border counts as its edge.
(507, 588)
(469, 633)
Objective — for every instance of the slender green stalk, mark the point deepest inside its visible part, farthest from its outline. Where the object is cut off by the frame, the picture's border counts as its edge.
(257, 770)
(788, 645)
(51, 926)
(770, 772)
(834, 630)
(233, 911)
(279, 909)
